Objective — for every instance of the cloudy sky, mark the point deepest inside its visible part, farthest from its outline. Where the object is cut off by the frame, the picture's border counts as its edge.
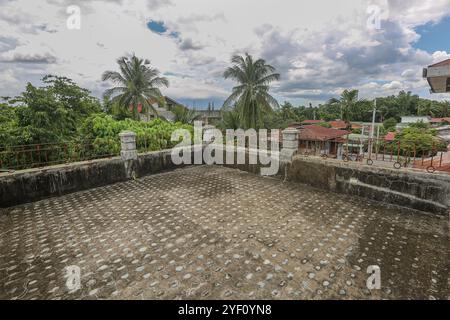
(320, 47)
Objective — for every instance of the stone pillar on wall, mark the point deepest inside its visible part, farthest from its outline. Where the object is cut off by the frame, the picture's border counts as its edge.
(290, 144)
(128, 145)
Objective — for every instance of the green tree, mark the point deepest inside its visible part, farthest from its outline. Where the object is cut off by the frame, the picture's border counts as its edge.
(7, 113)
(429, 108)
(114, 109)
(390, 124)
(407, 103)
(50, 113)
(445, 109)
(137, 83)
(150, 136)
(422, 141)
(230, 119)
(347, 102)
(420, 125)
(8, 124)
(184, 115)
(325, 125)
(251, 95)
(288, 113)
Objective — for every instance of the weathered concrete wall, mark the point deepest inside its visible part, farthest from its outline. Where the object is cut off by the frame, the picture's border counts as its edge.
(407, 188)
(410, 189)
(252, 168)
(35, 184)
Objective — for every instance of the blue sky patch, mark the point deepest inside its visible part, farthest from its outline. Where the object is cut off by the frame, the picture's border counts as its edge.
(434, 37)
(160, 28)
(157, 26)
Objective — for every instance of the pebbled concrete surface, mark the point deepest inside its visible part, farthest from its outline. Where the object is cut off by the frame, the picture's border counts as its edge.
(217, 233)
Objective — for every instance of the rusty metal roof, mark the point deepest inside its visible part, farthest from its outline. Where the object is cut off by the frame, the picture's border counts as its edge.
(338, 124)
(318, 133)
(313, 121)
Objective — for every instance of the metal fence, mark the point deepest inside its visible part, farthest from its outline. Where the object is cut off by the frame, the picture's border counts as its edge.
(378, 152)
(45, 154)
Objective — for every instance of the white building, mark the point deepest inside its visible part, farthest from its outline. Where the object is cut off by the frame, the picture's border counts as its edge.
(444, 133)
(438, 76)
(408, 120)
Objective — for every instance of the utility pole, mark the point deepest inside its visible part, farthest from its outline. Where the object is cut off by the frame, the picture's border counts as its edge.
(314, 111)
(361, 141)
(372, 130)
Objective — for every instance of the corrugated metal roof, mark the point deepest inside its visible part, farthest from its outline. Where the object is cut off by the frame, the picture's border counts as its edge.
(338, 124)
(439, 120)
(313, 121)
(318, 133)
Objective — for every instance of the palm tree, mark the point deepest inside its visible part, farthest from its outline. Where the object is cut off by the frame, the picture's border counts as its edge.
(137, 83)
(349, 99)
(184, 115)
(445, 109)
(230, 119)
(407, 102)
(251, 95)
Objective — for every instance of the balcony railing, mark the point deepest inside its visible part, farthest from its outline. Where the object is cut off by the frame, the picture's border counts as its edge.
(398, 154)
(18, 157)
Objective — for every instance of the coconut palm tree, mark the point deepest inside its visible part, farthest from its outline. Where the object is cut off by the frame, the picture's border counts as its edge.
(230, 119)
(251, 96)
(348, 99)
(184, 115)
(137, 84)
(407, 102)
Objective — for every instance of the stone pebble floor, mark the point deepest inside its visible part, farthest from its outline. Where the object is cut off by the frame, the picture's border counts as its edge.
(217, 233)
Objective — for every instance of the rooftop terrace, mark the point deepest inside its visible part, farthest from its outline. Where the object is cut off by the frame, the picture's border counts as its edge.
(213, 232)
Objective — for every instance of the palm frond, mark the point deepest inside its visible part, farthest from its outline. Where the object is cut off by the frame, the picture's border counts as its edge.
(251, 96)
(137, 83)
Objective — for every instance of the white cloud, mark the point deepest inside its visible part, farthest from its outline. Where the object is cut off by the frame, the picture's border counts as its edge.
(319, 47)
(440, 55)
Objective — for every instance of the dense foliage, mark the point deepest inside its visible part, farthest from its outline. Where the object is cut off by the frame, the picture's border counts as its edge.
(403, 104)
(185, 115)
(61, 122)
(51, 113)
(61, 113)
(419, 140)
(230, 120)
(151, 136)
(390, 124)
(350, 108)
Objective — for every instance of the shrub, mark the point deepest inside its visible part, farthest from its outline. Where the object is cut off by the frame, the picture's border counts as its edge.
(150, 136)
(389, 124)
(325, 125)
(422, 141)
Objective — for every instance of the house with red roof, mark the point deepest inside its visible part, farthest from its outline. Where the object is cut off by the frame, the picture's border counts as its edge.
(312, 122)
(319, 140)
(355, 126)
(390, 136)
(440, 121)
(162, 111)
(339, 124)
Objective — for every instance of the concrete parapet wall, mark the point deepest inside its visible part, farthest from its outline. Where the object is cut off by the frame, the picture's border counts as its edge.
(406, 188)
(35, 184)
